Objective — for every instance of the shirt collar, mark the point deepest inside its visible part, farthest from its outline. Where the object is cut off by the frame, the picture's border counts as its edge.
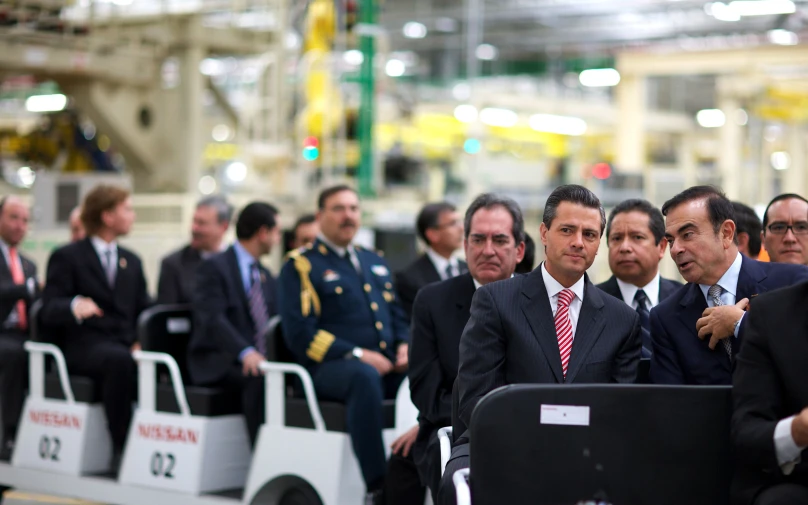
(243, 257)
(337, 249)
(630, 290)
(478, 284)
(554, 287)
(728, 281)
(101, 246)
(440, 262)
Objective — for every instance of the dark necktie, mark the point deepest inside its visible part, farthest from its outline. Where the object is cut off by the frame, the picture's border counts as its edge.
(715, 293)
(645, 321)
(449, 271)
(258, 308)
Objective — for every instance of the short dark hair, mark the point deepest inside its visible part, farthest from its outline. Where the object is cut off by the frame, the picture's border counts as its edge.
(719, 208)
(331, 191)
(253, 217)
(572, 193)
(304, 219)
(100, 199)
(526, 265)
(785, 196)
(224, 211)
(429, 217)
(747, 221)
(490, 200)
(656, 223)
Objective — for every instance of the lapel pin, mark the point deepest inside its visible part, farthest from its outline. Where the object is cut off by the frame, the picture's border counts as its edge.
(122, 263)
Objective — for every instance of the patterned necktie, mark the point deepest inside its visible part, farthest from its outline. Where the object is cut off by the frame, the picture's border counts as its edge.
(258, 308)
(563, 327)
(109, 268)
(450, 272)
(715, 294)
(19, 278)
(642, 309)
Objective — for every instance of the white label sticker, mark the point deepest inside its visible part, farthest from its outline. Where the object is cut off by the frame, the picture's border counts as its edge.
(565, 415)
(178, 325)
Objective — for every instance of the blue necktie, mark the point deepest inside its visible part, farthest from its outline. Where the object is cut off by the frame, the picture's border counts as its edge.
(258, 308)
(645, 321)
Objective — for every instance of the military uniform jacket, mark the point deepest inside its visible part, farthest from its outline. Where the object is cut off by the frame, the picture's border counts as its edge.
(327, 308)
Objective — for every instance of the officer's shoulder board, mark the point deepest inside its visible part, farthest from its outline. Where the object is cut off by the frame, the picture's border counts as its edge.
(308, 295)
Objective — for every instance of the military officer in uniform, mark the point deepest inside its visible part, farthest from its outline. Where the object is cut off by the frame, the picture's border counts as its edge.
(342, 320)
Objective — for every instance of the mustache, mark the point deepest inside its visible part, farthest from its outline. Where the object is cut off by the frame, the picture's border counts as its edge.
(347, 224)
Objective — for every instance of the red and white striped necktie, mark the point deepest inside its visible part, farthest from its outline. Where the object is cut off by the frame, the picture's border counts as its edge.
(563, 327)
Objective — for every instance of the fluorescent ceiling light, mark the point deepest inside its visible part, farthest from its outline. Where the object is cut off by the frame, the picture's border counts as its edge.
(763, 7)
(236, 171)
(353, 57)
(461, 91)
(599, 77)
(465, 113)
(498, 117)
(780, 160)
(395, 68)
(782, 37)
(711, 118)
(207, 185)
(45, 103)
(486, 52)
(414, 30)
(562, 125)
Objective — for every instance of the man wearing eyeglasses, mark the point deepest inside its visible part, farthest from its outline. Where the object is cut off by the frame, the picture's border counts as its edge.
(785, 229)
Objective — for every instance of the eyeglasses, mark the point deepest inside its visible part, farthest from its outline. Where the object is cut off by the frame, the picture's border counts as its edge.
(800, 228)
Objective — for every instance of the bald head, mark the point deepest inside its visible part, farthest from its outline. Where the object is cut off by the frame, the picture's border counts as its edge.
(13, 220)
(76, 226)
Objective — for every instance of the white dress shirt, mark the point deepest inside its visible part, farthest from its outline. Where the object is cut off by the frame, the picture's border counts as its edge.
(351, 250)
(441, 264)
(101, 247)
(629, 291)
(553, 290)
(789, 454)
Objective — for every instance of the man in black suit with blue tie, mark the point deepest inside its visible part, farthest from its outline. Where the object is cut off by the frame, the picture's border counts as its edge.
(696, 333)
(635, 233)
(233, 302)
(552, 326)
(94, 293)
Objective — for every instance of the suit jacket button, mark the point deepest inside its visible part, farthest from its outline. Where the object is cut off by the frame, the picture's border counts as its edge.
(379, 325)
(382, 345)
(338, 290)
(388, 285)
(367, 288)
(374, 306)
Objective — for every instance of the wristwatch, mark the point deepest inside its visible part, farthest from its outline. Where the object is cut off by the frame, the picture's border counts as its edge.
(356, 353)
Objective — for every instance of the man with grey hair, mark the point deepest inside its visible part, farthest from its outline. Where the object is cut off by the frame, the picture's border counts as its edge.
(178, 270)
(521, 330)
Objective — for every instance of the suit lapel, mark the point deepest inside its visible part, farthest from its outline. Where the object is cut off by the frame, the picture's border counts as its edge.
(591, 322)
(692, 306)
(95, 261)
(235, 274)
(463, 301)
(613, 288)
(539, 315)
(749, 279)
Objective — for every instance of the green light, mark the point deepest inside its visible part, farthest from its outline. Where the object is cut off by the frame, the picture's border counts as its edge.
(472, 146)
(310, 153)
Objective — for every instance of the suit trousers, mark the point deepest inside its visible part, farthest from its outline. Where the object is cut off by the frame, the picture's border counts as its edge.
(403, 485)
(360, 387)
(13, 381)
(427, 459)
(113, 370)
(783, 494)
(458, 461)
(253, 398)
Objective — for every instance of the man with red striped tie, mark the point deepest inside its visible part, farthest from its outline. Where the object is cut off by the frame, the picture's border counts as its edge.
(552, 326)
(18, 290)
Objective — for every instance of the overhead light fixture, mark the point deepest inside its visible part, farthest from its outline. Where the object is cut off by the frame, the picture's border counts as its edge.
(395, 68)
(503, 118)
(26, 176)
(782, 37)
(207, 185)
(414, 30)
(486, 52)
(741, 117)
(780, 160)
(236, 171)
(353, 57)
(45, 103)
(599, 77)
(465, 113)
(562, 125)
(461, 91)
(763, 7)
(220, 133)
(722, 12)
(711, 118)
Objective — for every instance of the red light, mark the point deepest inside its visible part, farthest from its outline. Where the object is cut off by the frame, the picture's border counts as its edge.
(311, 142)
(601, 171)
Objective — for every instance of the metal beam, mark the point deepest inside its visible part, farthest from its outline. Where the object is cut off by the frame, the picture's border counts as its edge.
(746, 60)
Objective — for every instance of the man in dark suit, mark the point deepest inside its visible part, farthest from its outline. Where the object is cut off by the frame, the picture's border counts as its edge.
(440, 227)
(697, 332)
(178, 270)
(94, 293)
(233, 303)
(552, 326)
(18, 290)
(785, 229)
(635, 233)
(770, 393)
(440, 313)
